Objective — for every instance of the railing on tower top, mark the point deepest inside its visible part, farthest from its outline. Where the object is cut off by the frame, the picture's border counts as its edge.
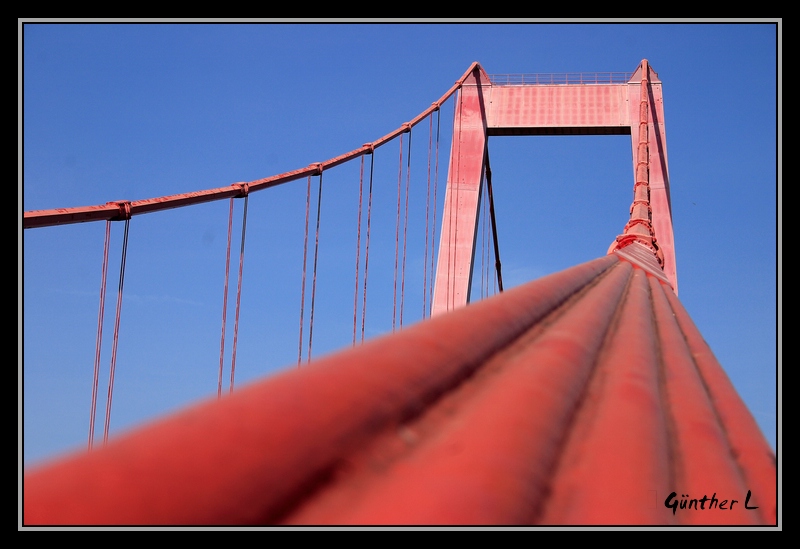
(561, 78)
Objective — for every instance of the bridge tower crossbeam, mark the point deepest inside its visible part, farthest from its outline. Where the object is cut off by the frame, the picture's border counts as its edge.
(599, 105)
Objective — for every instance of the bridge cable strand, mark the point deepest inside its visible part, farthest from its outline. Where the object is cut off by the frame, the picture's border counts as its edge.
(405, 232)
(479, 227)
(457, 186)
(489, 247)
(397, 234)
(484, 245)
(493, 218)
(116, 331)
(225, 300)
(238, 292)
(477, 253)
(314, 278)
(366, 248)
(639, 228)
(99, 339)
(435, 207)
(449, 194)
(358, 249)
(427, 213)
(303, 284)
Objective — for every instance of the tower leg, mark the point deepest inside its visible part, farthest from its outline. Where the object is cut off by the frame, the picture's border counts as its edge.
(462, 197)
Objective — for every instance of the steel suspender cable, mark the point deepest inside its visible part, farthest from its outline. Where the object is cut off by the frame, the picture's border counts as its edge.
(225, 300)
(449, 196)
(484, 246)
(99, 339)
(427, 213)
(488, 249)
(435, 206)
(494, 223)
(239, 290)
(314, 280)
(484, 276)
(405, 232)
(366, 247)
(479, 243)
(303, 284)
(358, 249)
(487, 244)
(455, 189)
(116, 330)
(397, 233)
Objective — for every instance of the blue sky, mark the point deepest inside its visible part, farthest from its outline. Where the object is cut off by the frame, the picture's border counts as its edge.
(135, 111)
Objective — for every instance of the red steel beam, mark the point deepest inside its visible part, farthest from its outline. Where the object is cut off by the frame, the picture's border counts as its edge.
(580, 398)
(559, 109)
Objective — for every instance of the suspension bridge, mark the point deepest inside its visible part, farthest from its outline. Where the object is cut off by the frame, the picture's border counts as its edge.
(586, 397)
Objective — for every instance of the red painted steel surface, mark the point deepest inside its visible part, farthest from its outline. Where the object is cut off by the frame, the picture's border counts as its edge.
(658, 174)
(634, 107)
(618, 448)
(639, 228)
(597, 108)
(585, 397)
(755, 459)
(462, 196)
(513, 109)
(490, 462)
(643, 257)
